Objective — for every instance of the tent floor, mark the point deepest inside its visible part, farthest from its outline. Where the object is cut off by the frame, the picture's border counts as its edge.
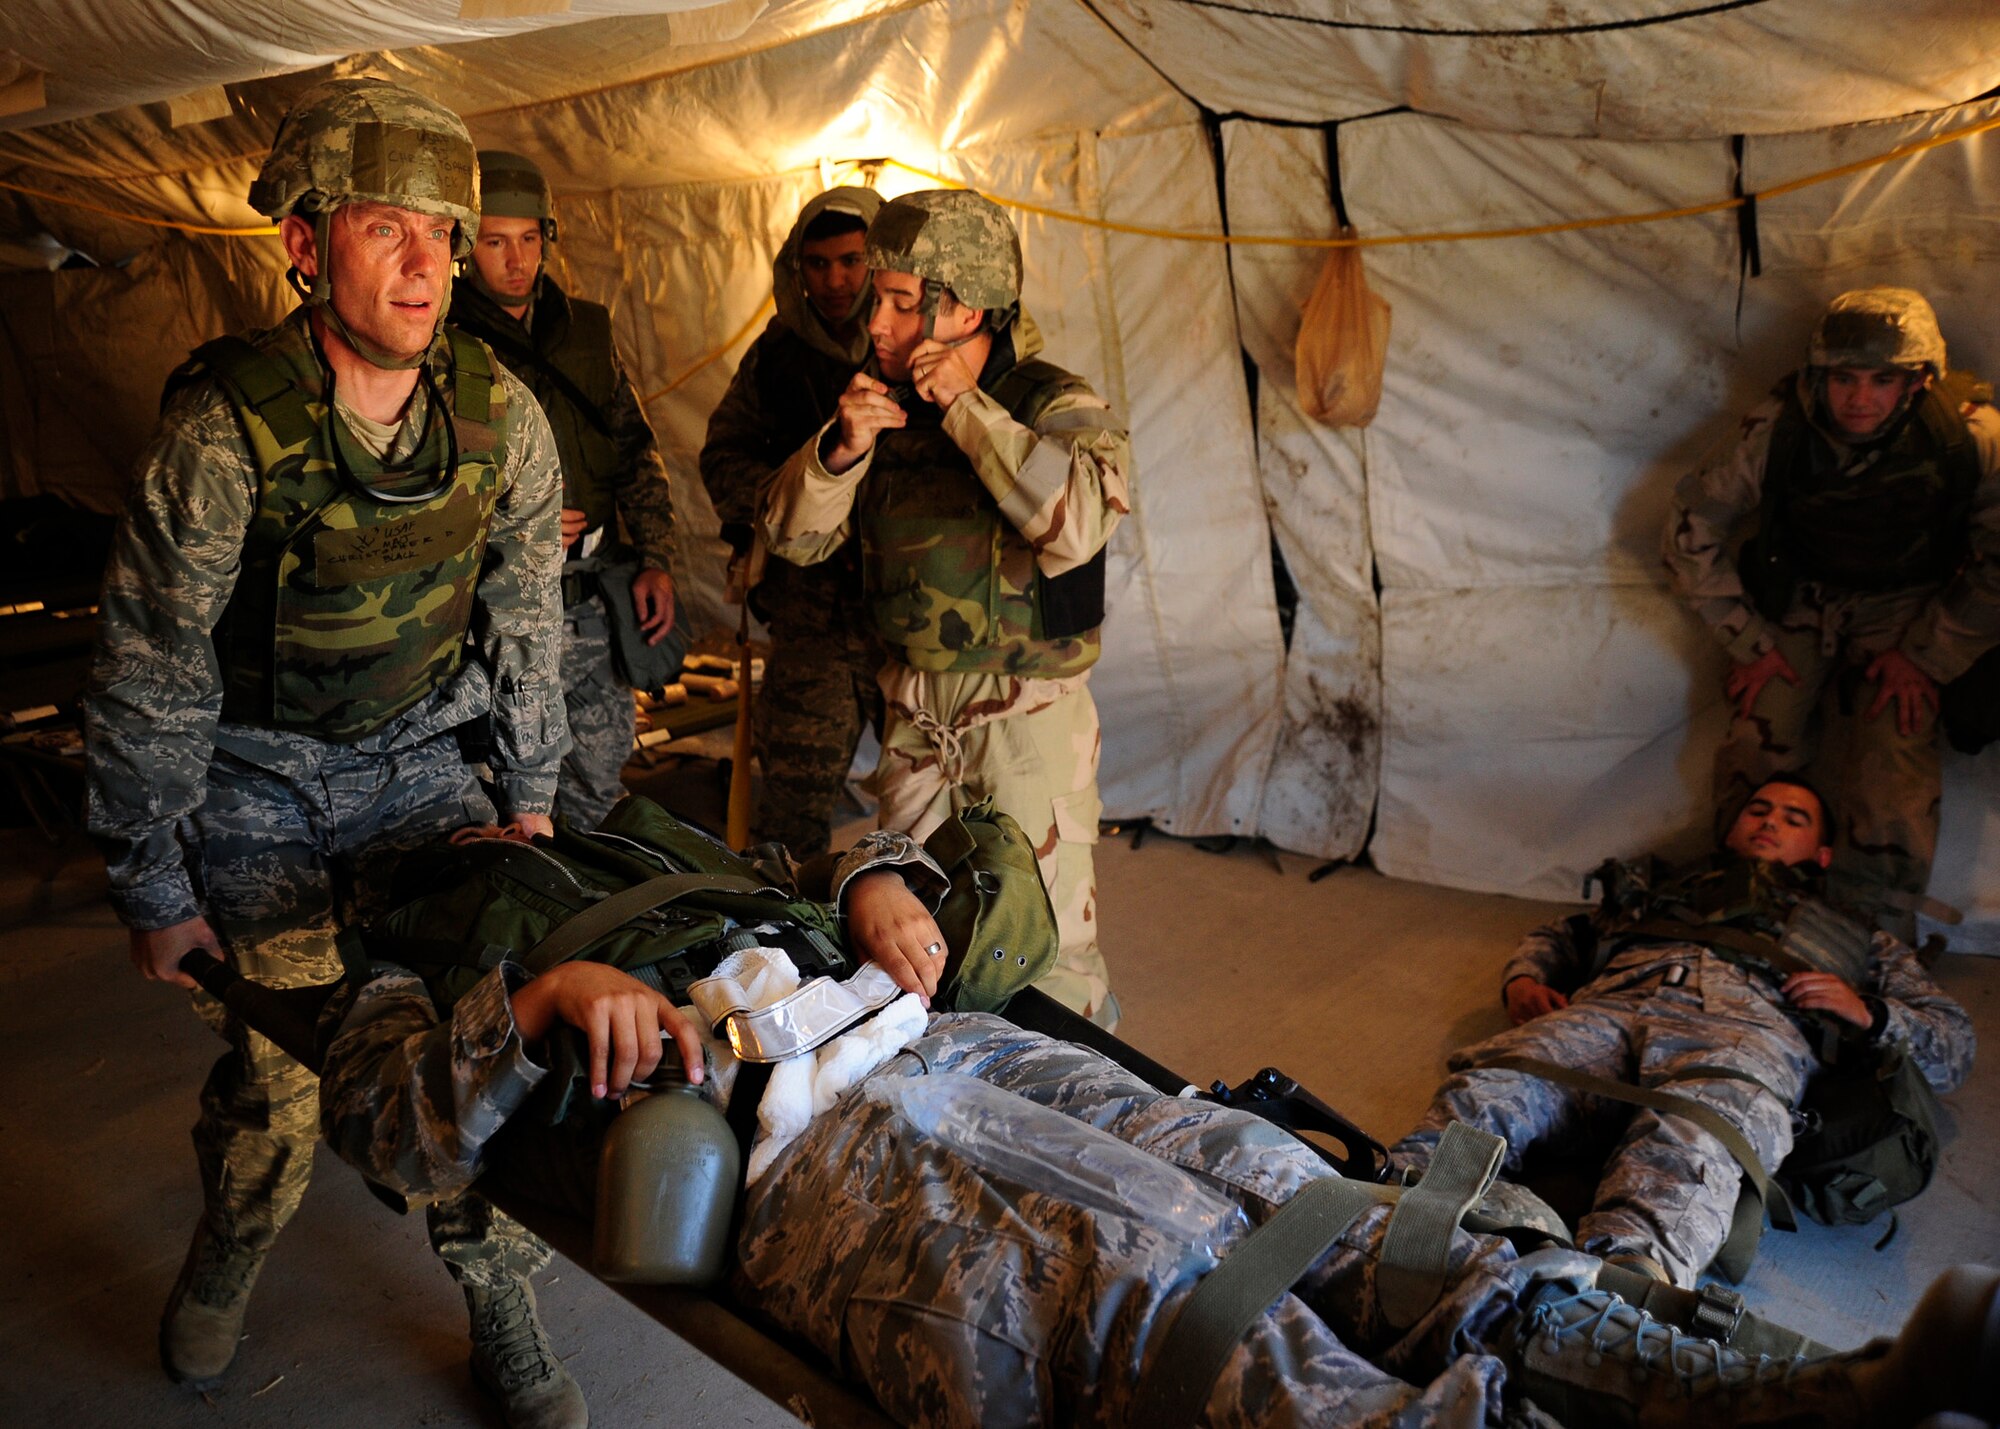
(1357, 985)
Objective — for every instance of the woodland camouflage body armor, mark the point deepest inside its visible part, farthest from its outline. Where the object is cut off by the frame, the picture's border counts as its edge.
(351, 607)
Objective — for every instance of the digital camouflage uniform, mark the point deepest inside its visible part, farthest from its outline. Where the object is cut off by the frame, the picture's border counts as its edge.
(1884, 786)
(995, 1228)
(1678, 1016)
(612, 470)
(285, 827)
(819, 690)
(971, 521)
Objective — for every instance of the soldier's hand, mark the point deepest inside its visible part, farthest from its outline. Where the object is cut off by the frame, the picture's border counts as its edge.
(891, 928)
(1527, 999)
(526, 826)
(157, 952)
(1829, 993)
(621, 1018)
(941, 373)
(1745, 682)
(865, 410)
(653, 602)
(574, 524)
(1915, 693)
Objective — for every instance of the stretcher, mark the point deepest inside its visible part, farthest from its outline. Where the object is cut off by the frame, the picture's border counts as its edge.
(790, 1374)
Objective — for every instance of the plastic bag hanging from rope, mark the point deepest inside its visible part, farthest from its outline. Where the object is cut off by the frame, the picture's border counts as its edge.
(1343, 343)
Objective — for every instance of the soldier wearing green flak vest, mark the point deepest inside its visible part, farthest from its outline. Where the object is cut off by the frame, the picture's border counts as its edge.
(342, 544)
(1872, 478)
(819, 688)
(983, 483)
(561, 347)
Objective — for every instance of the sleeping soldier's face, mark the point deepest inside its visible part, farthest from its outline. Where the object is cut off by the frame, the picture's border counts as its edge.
(1782, 823)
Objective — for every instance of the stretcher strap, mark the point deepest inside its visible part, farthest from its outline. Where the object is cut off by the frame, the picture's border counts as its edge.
(582, 928)
(1761, 1196)
(1173, 1390)
(1416, 1250)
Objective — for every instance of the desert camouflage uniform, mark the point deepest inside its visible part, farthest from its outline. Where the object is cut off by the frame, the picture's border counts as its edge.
(616, 478)
(819, 688)
(1884, 786)
(977, 706)
(1661, 1014)
(284, 828)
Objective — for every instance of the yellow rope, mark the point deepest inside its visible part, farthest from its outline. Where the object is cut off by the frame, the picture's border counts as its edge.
(769, 305)
(1282, 240)
(258, 232)
(1241, 240)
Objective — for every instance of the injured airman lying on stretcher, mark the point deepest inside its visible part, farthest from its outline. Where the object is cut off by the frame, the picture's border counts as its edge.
(989, 1227)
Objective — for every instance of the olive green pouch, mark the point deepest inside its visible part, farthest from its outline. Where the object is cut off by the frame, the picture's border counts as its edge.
(997, 918)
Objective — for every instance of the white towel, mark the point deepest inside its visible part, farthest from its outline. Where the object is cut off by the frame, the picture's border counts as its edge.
(804, 1086)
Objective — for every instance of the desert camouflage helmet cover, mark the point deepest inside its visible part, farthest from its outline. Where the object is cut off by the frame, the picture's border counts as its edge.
(367, 140)
(513, 186)
(1878, 327)
(953, 237)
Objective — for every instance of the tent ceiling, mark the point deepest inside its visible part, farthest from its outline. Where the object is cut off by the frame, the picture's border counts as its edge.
(1632, 69)
(99, 55)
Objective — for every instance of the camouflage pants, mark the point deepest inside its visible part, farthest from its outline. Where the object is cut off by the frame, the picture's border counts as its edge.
(995, 1229)
(1884, 786)
(602, 719)
(288, 856)
(1029, 745)
(819, 692)
(1669, 1188)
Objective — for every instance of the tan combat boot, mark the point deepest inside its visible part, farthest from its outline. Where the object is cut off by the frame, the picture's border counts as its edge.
(203, 1321)
(1591, 1358)
(512, 1361)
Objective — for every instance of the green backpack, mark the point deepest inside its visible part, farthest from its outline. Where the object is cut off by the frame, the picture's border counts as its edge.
(1869, 1140)
(666, 902)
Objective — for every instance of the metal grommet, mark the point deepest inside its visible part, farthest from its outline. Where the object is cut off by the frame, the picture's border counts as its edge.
(999, 953)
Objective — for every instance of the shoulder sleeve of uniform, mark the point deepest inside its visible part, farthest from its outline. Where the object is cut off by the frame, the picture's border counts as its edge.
(884, 848)
(520, 596)
(155, 690)
(1963, 621)
(1708, 510)
(644, 494)
(412, 1102)
(1921, 1017)
(1064, 484)
(736, 454)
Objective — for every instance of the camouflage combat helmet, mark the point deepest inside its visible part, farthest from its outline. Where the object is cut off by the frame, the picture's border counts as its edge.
(368, 141)
(1878, 327)
(953, 239)
(513, 186)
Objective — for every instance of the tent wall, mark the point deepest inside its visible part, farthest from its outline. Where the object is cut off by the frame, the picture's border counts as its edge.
(1546, 701)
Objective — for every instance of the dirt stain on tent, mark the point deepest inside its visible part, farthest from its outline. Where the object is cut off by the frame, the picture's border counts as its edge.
(1343, 720)
(1338, 737)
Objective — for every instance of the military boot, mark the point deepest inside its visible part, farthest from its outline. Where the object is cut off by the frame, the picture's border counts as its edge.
(203, 1320)
(512, 1361)
(1590, 1358)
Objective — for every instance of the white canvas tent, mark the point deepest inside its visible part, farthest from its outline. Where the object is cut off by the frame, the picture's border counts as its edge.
(1486, 684)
